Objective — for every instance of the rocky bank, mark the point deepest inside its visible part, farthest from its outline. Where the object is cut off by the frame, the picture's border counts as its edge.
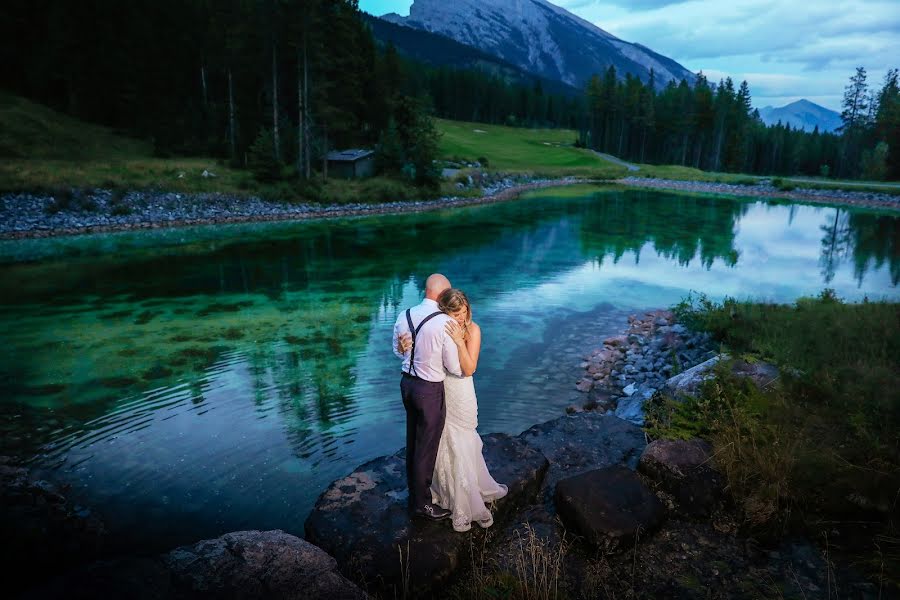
(24, 215)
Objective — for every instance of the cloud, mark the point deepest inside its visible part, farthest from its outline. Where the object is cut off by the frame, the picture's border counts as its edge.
(695, 30)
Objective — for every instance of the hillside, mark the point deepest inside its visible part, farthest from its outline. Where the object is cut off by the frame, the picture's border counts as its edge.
(29, 130)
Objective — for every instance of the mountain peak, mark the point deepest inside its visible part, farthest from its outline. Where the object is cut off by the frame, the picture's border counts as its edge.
(802, 114)
(541, 38)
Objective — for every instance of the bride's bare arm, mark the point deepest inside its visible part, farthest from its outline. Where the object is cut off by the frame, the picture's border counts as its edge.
(468, 349)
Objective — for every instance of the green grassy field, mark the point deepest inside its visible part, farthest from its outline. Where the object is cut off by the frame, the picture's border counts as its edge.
(547, 151)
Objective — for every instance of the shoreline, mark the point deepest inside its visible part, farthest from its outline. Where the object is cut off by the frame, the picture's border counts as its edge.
(276, 211)
(765, 190)
(302, 212)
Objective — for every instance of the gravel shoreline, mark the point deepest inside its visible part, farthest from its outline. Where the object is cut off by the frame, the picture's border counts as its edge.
(28, 215)
(764, 189)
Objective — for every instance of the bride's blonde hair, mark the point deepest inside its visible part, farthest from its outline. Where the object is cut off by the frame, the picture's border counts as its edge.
(452, 300)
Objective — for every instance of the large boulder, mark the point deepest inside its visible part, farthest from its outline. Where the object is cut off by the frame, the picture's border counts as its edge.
(685, 470)
(362, 520)
(243, 564)
(258, 564)
(631, 407)
(582, 442)
(687, 383)
(610, 508)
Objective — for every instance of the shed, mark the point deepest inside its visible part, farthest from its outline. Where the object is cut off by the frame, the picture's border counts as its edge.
(351, 163)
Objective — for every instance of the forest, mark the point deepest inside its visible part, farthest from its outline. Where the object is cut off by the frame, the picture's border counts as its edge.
(272, 85)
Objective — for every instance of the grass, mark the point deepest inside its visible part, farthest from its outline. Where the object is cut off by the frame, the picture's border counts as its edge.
(550, 152)
(537, 571)
(821, 451)
(32, 131)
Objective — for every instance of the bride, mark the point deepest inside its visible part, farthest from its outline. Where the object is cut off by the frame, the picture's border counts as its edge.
(461, 482)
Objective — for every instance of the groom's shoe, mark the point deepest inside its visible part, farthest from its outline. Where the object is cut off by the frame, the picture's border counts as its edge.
(432, 512)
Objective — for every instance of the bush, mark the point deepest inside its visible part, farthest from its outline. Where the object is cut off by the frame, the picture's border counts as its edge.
(483, 161)
(781, 184)
(382, 189)
(261, 157)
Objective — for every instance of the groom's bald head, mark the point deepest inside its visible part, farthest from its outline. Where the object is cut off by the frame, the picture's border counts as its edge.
(434, 285)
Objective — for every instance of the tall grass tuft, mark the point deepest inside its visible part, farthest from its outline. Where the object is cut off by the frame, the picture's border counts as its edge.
(536, 572)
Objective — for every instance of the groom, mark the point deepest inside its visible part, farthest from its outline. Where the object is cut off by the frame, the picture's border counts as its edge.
(422, 390)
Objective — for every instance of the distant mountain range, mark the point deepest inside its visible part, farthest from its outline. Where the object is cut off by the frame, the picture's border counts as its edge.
(441, 51)
(539, 38)
(802, 114)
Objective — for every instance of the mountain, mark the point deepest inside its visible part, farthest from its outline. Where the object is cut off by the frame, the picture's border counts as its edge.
(802, 114)
(440, 51)
(541, 38)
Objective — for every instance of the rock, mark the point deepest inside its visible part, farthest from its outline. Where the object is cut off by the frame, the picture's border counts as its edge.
(685, 470)
(258, 564)
(760, 373)
(362, 519)
(582, 442)
(584, 385)
(243, 564)
(688, 382)
(631, 407)
(629, 389)
(616, 341)
(609, 507)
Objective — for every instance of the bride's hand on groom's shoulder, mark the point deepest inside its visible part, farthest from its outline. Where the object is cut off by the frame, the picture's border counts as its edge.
(456, 332)
(404, 343)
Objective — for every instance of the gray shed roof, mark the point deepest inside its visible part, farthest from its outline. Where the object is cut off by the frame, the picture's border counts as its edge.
(349, 155)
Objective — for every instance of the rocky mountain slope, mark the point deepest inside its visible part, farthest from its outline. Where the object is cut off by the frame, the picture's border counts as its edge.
(539, 37)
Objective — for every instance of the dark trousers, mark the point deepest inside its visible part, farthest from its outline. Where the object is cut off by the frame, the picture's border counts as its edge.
(425, 412)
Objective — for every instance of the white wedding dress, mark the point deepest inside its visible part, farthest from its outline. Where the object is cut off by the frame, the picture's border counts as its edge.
(461, 481)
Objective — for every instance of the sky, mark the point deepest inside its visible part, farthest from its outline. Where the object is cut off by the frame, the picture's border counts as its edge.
(786, 50)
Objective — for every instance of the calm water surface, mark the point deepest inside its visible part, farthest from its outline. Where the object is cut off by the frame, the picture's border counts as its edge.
(196, 381)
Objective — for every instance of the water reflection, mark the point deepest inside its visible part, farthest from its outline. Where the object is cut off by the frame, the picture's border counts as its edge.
(218, 378)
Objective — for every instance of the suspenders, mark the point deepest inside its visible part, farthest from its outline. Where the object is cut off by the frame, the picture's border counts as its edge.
(412, 354)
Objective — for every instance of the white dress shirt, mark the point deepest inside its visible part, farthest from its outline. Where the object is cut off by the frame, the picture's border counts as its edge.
(435, 349)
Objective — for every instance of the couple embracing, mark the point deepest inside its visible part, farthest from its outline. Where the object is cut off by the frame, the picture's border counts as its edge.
(445, 470)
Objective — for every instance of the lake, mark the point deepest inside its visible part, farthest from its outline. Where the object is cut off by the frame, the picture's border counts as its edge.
(194, 381)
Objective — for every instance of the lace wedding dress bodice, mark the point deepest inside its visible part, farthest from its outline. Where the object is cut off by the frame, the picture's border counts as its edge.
(461, 481)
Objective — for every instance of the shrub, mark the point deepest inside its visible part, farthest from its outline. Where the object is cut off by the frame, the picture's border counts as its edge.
(483, 161)
(261, 157)
(382, 189)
